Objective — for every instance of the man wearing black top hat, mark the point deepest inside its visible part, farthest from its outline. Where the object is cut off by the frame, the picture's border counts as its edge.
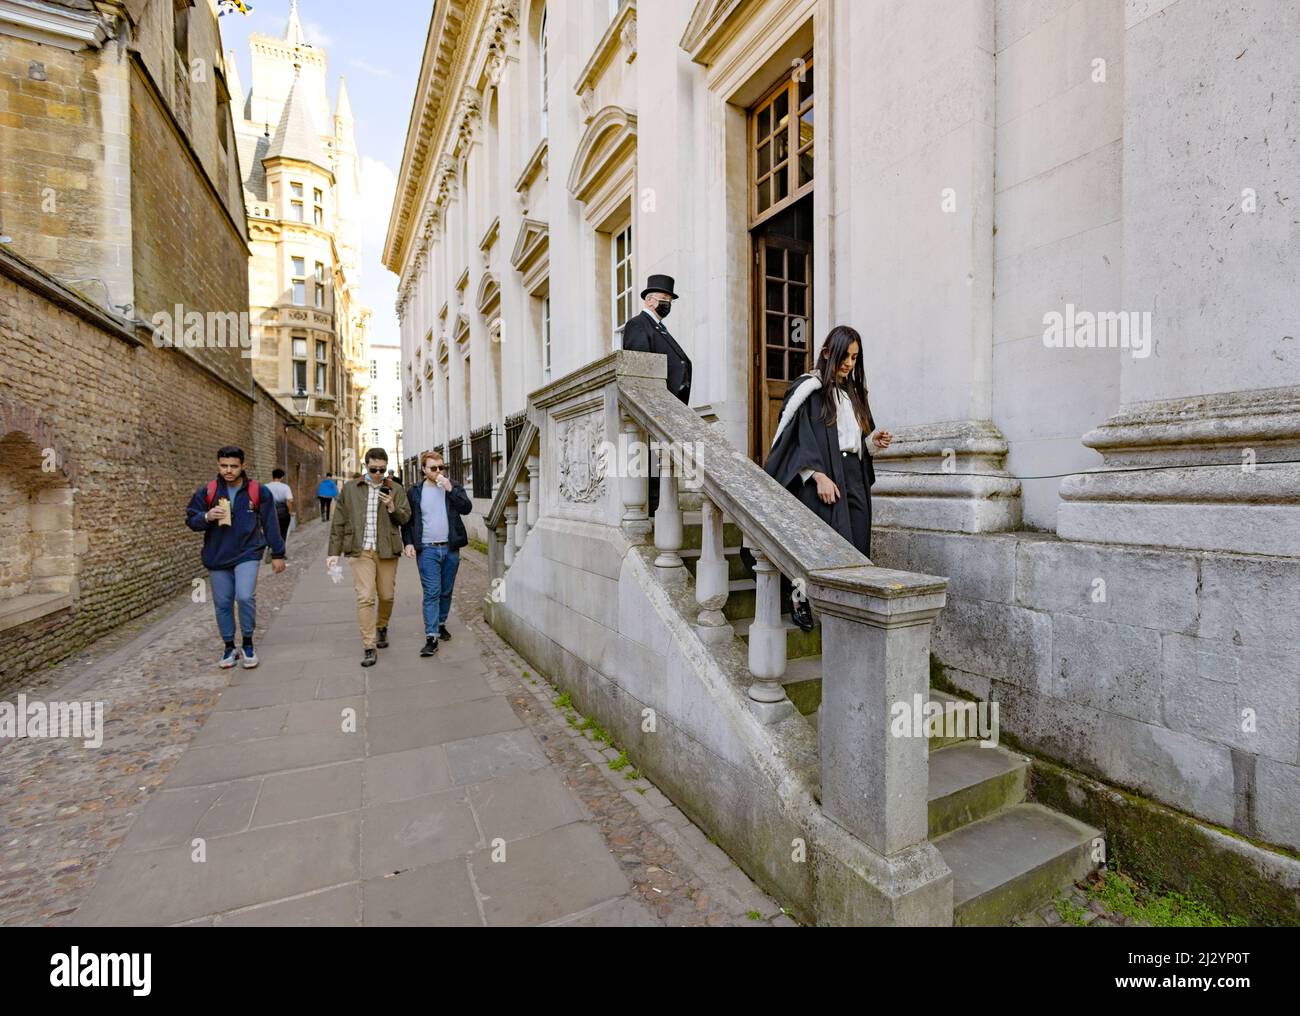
(646, 333)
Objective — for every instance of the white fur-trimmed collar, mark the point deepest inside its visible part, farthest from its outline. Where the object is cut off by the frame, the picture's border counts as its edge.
(808, 383)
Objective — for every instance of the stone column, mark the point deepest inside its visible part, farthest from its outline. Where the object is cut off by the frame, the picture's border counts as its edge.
(1211, 294)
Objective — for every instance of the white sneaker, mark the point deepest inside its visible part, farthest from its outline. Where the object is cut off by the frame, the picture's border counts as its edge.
(230, 658)
(250, 659)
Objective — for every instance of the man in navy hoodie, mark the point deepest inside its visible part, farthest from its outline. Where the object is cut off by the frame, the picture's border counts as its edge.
(237, 518)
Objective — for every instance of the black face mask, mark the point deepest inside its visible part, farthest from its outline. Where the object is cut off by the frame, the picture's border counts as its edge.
(664, 308)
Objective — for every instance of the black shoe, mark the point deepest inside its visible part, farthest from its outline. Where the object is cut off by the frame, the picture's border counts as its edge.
(430, 646)
(802, 616)
(370, 659)
(443, 633)
(382, 641)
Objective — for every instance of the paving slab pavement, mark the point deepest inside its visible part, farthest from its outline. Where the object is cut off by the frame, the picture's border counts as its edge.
(418, 792)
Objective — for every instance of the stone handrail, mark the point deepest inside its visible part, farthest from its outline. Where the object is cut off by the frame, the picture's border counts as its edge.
(875, 621)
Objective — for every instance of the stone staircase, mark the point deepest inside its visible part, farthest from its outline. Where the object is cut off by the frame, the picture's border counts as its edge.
(1007, 855)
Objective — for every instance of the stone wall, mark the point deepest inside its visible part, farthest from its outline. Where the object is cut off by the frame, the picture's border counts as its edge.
(134, 430)
(187, 250)
(1175, 674)
(64, 174)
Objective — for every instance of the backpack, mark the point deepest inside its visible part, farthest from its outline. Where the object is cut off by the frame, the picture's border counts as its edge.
(254, 493)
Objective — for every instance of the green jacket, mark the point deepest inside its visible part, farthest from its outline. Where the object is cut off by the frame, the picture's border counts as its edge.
(348, 525)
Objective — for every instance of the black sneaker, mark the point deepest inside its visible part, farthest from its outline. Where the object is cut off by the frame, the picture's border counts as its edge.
(443, 633)
(370, 659)
(430, 646)
(802, 616)
(382, 641)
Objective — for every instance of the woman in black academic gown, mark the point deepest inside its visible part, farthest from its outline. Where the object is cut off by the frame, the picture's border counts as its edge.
(821, 452)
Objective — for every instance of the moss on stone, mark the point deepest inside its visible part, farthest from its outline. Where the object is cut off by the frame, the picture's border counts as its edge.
(1167, 850)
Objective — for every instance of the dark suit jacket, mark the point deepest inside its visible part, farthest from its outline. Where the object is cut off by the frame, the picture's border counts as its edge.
(644, 335)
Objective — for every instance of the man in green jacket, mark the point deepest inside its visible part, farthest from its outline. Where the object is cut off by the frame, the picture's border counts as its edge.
(366, 528)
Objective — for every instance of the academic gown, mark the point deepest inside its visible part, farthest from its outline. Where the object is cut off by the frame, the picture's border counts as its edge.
(805, 442)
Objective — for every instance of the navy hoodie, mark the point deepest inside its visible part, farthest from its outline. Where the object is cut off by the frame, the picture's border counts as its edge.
(243, 540)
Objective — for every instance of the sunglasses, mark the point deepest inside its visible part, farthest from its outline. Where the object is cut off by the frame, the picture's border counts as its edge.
(376, 469)
(435, 469)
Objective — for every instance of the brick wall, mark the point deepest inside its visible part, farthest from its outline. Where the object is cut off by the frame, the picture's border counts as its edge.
(136, 430)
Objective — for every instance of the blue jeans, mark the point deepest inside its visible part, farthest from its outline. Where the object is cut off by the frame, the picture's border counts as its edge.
(437, 574)
(231, 585)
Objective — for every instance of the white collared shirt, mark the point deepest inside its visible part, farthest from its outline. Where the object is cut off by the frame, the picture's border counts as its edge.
(846, 423)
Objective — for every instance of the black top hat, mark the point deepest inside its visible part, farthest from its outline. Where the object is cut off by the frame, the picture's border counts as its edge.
(659, 284)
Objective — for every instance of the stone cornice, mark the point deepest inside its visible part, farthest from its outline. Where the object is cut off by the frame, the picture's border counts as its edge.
(534, 166)
(709, 26)
(463, 35)
(53, 25)
(621, 30)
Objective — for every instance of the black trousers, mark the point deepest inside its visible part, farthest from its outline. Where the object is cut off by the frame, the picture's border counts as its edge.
(325, 503)
(859, 502)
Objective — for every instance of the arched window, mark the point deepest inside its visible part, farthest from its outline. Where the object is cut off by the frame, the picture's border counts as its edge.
(546, 71)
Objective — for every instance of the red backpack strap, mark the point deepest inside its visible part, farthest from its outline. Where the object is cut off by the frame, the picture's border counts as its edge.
(212, 492)
(255, 494)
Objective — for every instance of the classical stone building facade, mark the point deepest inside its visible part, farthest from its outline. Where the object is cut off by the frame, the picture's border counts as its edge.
(301, 179)
(1063, 232)
(116, 152)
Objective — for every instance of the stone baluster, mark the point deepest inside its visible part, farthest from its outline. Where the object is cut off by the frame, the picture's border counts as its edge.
(711, 579)
(635, 482)
(534, 489)
(512, 515)
(521, 500)
(668, 518)
(767, 644)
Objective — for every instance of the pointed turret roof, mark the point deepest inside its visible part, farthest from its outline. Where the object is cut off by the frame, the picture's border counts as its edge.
(297, 136)
(343, 111)
(293, 33)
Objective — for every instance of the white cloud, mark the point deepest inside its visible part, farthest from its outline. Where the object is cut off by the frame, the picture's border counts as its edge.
(368, 68)
(316, 35)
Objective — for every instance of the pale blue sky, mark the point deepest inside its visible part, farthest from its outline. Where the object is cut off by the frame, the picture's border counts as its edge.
(377, 46)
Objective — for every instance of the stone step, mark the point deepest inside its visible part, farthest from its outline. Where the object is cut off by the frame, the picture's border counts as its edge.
(742, 594)
(798, 643)
(803, 685)
(1013, 861)
(971, 781)
(736, 567)
(693, 532)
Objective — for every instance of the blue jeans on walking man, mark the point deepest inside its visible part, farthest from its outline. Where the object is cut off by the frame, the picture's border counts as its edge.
(231, 586)
(437, 575)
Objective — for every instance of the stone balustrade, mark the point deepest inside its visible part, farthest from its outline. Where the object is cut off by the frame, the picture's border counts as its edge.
(876, 622)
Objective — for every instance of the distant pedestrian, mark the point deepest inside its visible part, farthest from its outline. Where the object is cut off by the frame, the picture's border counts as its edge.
(326, 492)
(434, 536)
(367, 530)
(237, 518)
(283, 501)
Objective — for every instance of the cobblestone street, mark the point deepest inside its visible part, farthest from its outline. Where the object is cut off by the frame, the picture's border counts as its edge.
(303, 823)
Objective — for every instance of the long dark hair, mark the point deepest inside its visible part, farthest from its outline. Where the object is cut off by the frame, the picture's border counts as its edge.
(833, 352)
